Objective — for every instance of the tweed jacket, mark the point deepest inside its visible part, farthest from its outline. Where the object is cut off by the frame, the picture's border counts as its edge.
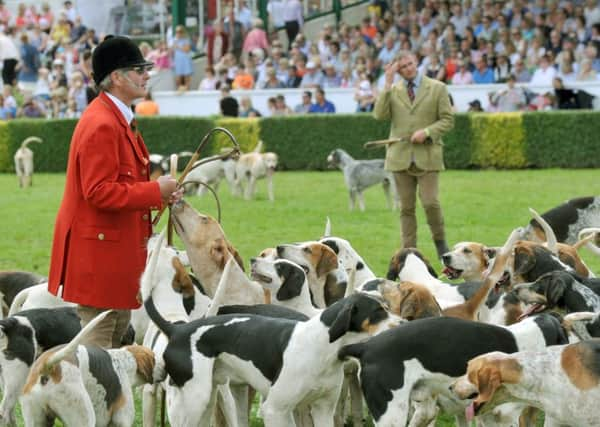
(103, 224)
(430, 109)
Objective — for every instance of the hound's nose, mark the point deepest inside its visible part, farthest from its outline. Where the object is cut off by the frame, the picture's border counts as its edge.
(280, 250)
(446, 258)
(252, 261)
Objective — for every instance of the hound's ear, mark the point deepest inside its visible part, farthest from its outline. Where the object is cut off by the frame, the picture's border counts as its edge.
(409, 306)
(555, 289)
(489, 380)
(342, 322)
(182, 283)
(394, 268)
(524, 260)
(236, 256)
(327, 262)
(217, 252)
(293, 280)
(489, 253)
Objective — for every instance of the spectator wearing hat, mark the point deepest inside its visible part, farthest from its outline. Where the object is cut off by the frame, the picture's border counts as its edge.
(313, 77)
(58, 77)
(321, 105)
(103, 223)
(475, 106)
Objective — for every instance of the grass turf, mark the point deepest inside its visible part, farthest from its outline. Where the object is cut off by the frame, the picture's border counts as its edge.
(481, 206)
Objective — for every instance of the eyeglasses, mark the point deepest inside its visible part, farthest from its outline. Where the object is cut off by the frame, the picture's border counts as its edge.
(140, 69)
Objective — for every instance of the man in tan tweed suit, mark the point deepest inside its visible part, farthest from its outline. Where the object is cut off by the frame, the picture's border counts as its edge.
(420, 113)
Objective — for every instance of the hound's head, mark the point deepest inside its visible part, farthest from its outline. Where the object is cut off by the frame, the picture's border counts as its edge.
(468, 260)
(413, 258)
(315, 258)
(530, 260)
(409, 300)
(346, 254)
(285, 279)
(356, 317)
(548, 291)
(204, 239)
(485, 374)
(271, 160)
(334, 158)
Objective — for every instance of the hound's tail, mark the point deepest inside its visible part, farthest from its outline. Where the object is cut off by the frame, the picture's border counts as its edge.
(26, 141)
(72, 346)
(259, 147)
(586, 236)
(327, 232)
(185, 154)
(550, 236)
(147, 286)
(18, 301)
(353, 350)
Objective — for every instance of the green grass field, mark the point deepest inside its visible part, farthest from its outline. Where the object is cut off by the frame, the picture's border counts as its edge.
(481, 206)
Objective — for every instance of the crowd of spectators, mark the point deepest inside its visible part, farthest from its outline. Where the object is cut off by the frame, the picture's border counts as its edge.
(46, 54)
(458, 42)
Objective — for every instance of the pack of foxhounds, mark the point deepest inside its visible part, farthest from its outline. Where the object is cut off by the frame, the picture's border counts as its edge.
(316, 337)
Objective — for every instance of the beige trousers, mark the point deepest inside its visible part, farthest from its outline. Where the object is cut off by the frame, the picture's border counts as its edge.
(428, 187)
(109, 332)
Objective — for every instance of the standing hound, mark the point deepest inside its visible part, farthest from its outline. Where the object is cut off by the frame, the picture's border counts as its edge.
(563, 381)
(420, 359)
(362, 174)
(23, 337)
(211, 171)
(86, 385)
(24, 162)
(288, 362)
(566, 220)
(252, 166)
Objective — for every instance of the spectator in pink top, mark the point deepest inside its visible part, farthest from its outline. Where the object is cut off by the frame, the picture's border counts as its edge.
(256, 38)
(463, 76)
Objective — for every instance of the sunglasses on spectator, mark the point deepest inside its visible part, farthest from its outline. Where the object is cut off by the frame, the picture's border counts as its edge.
(141, 69)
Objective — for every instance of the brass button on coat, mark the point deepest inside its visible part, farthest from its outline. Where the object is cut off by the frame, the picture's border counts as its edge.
(100, 236)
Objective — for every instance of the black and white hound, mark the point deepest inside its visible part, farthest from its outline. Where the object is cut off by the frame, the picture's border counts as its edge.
(288, 362)
(23, 337)
(427, 355)
(86, 385)
(560, 289)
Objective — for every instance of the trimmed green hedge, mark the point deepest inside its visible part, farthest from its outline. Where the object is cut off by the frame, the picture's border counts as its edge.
(303, 142)
(562, 139)
(499, 140)
(548, 139)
